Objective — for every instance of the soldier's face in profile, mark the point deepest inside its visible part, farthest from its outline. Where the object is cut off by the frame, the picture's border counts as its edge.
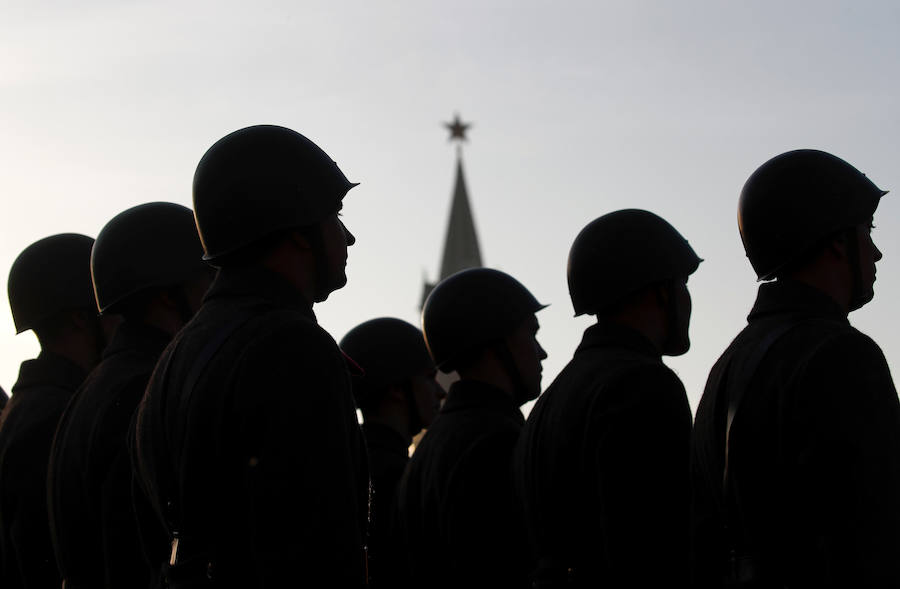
(869, 254)
(527, 354)
(335, 240)
(679, 341)
(427, 395)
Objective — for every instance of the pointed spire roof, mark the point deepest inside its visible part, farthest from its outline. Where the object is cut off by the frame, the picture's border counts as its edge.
(461, 249)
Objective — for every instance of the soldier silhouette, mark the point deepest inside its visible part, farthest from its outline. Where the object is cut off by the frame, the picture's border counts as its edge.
(146, 267)
(796, 450)
(398, 396)
(49, 293)
(602, 462)
(457, 511)
(247, 442)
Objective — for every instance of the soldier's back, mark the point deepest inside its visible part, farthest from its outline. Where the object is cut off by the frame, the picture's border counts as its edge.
(601, 466)
(248, 446)
(388, 455)
(813, 482)
(27, 425)
(90, 476)
(456, 497)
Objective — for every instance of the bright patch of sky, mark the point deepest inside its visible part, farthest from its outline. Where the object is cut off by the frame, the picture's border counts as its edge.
(578, 109)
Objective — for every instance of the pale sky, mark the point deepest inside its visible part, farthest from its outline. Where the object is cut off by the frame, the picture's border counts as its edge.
(578, 109)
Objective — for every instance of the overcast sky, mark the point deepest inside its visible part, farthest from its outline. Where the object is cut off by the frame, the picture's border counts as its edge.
(578, 109)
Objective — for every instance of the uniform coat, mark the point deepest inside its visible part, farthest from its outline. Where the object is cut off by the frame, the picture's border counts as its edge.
(456, 499)
(260, 466)
(27, 425)
(92, 518)
(602, 467)
(813, 495)
(388, 455)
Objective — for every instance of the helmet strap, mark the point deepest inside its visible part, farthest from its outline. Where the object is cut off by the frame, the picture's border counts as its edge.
(508, 363)
(858, 296)
(313, 236)
(671, 310)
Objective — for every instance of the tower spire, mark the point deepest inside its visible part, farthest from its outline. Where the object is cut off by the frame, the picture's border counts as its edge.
(461, 249)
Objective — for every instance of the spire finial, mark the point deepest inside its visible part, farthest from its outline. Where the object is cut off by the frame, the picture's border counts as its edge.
(457, 128)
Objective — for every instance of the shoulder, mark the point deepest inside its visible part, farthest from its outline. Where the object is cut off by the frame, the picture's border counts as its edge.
(286, 351)
(239, 339)
(847, 354)
(850, 342)
(644, 382)
(486, 458)
(280, 328)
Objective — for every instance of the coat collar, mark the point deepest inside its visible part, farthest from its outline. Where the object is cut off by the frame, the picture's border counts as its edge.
(257, 282)
(606, 334)
(49, 369)
(788, 297)
(472, 394)
(136, 336)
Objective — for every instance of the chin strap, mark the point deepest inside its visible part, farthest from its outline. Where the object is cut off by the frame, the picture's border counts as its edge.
(520, 391)
(313, 236)
(671, 314)
(858, 295)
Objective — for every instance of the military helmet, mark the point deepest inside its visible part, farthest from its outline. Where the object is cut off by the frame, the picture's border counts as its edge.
(621, 252)
(259, 180)
(150, 245)
(794, 201)
(49, 276)
(470, 309)
(388, 350)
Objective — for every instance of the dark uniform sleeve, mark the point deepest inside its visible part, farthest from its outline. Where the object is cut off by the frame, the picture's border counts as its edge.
(854, 460)
(641, 456)
(29, 551)
(152, 534)
(29, 533)
(305, 463)
(122, 548)
(708, 546)
(123, 556)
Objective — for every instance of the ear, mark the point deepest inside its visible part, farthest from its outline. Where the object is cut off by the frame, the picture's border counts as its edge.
(662, 292)
(165, 297)
(80, 319)
(395, 392)
(838, 245)
(299, 240)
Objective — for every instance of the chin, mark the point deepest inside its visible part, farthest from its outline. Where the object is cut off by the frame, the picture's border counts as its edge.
(529, 395)
(326, 292)
(678, 348)
(862, 300)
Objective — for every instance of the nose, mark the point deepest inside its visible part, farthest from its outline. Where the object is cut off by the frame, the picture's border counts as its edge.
(542, 353)
(878, 255)
(347, 235)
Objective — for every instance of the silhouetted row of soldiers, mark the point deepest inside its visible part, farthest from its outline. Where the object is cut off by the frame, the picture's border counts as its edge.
(201, 431)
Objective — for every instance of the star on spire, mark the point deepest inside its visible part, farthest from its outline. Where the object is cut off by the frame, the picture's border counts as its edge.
(457, 128)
